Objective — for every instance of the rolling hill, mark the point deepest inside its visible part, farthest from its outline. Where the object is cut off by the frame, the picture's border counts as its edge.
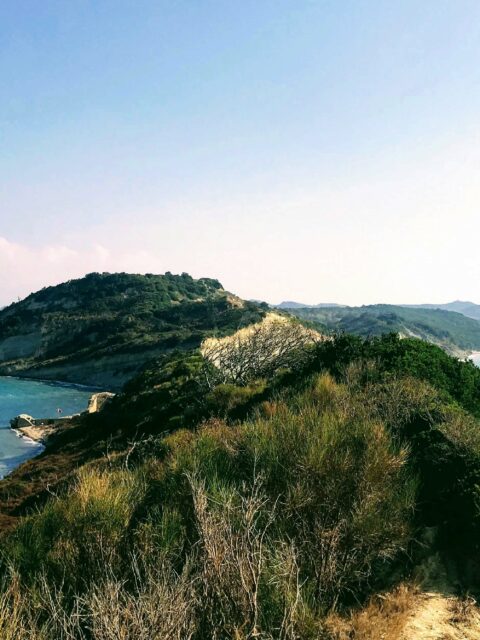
(469, 309)
(453, 331)
(101, 329)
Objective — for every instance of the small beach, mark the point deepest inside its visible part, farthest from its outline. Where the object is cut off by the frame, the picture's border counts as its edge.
(39, 399)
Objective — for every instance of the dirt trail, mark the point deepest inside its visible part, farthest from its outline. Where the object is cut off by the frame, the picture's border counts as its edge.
(443, 617)
(438, 613)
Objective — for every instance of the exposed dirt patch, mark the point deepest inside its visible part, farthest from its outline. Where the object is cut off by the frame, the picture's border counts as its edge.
(440, 617)
(426, 609)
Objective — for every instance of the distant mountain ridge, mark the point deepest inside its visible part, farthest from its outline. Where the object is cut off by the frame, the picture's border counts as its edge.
(290, 304)
(453, 331)
(469, 309)
(466, 308)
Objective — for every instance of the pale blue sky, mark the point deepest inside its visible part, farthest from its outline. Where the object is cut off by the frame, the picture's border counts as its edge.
(314, 150)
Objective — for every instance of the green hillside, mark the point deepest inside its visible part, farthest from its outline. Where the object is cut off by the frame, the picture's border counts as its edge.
(469, 309)
(268, 484)
(102, 328)
(452, 331)
(276, 508)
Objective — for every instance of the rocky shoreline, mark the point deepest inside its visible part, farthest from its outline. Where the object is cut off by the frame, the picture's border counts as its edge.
(41, 429)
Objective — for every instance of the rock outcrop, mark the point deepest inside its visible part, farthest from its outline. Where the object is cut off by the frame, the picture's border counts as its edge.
(99, 400)
(40, 429)
(21, 421)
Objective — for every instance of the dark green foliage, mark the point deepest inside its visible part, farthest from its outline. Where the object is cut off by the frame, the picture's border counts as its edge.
(458, 380)
(168, 394)
(446, 459)
(449, 329)
(132, 318)
(448, 492)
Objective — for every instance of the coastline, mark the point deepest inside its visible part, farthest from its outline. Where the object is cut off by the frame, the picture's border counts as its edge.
(20, 396)
(40, 430)
(57, 383)
(474, 356)
(37, 447)
(33, 435)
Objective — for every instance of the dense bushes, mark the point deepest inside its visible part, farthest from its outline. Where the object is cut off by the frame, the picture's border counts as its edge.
(393, 356)
(253, 510)
(80, 534)
(256, 530)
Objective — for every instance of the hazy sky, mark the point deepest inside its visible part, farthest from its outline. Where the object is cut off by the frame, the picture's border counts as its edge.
(309, 150)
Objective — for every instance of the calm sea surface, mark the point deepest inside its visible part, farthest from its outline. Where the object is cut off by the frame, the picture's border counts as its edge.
(38, 399)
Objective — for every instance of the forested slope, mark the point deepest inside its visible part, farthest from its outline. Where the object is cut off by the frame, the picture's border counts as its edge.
(450, 330)
(101, 329)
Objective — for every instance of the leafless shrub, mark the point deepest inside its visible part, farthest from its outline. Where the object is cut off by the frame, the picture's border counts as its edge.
(259, 350)
(12, 620)
(161, 607)
(232, 534)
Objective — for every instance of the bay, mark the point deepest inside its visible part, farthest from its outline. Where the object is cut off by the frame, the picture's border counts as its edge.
(40, 400)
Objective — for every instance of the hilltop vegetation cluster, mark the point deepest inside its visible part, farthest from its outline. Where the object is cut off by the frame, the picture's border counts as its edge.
(267, 505)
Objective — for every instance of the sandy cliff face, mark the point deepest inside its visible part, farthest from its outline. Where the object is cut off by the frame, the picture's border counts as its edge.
(103, 371)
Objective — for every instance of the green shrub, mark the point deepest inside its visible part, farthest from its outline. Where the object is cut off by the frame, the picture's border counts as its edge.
(266, 525)
(76, 535)
(260, 527)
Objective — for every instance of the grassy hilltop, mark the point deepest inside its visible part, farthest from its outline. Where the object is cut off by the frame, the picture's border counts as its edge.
(267, 483)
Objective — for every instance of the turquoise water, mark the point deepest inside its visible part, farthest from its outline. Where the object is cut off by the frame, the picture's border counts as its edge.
(40, 400)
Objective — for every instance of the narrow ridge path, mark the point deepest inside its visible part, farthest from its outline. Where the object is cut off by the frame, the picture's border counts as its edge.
(441, 617)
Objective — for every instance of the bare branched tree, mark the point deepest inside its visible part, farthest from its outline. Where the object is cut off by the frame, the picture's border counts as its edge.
(260, 350)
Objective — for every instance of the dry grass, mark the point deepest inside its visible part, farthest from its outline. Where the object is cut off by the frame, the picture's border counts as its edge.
(464, 611)
(384, 617)
(162, 608)
(256, 530)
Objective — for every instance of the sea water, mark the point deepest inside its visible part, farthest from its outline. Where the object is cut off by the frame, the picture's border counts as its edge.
(37, 399)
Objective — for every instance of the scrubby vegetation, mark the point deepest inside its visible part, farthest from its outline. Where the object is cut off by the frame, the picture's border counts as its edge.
(267, 507)
(261, 527)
